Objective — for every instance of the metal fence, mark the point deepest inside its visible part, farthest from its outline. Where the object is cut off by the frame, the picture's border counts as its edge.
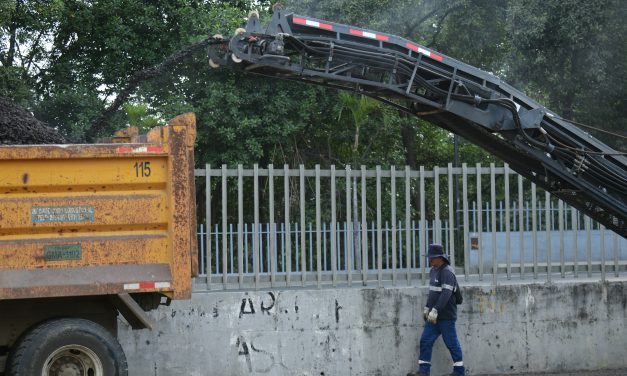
(302, 227)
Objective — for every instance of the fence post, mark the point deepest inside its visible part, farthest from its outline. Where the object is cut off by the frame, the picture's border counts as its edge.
(466, 229)
(333, 229)
(288, 226)
(615, 239)
(521, 227)
(208, 221)
(364, 229)
(393, 219)
(602, 234)
(574, 218)
(534, 226)
(271, 233)
(379, 224)
(451, 223)
(479, 220)
(350, 247)
(217, 247)
(548, 226)
(508, 243)
(256, 246)
(240, 224)
(231, 248)
(303, 229)
(587, 225)
(318, 234)
(201, 244)
(224, 225)
(493, 222)
(436, 202)
(422, 249)
(407, 223)
(560, 224)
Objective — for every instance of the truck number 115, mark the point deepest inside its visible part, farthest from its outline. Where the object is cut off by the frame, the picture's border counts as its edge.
(142, 169)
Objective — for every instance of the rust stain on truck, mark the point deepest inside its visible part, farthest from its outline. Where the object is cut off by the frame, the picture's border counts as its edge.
(100, 219)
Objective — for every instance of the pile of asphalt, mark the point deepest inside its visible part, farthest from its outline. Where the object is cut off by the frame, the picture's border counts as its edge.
(18, 126)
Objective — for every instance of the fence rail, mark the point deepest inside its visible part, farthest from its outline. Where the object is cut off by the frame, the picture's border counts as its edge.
(373, 226)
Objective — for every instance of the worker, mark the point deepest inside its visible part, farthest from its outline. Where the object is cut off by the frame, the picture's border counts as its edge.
(440, 313)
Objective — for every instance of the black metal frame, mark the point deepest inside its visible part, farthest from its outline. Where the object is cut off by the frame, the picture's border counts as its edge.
(538, 144)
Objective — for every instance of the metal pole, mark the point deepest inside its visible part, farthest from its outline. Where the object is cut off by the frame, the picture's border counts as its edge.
(349, 237)
(288, 226)
(379, 233)
(224, 227)
(393, 220)
(208, 220)
(508, 243)
(240, 225)
(303, 229)
(333, 229)
(318, 234)
(271, 234)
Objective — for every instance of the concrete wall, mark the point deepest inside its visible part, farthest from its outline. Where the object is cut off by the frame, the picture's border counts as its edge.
(375, 331)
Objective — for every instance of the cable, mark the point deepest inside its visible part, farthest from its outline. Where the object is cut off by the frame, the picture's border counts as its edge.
(509, 104)
(590, 127)
(584, 151)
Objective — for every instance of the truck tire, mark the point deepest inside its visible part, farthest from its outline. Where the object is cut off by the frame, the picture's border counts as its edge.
(67, 347)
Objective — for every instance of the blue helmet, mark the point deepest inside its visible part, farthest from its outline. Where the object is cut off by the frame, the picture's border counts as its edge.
(436, 250)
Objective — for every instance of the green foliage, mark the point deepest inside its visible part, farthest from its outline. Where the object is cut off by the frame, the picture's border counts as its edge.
(138, 116)
(473, 32)
(70, 110)
(13, 85)
(360, 108)
(572, 56)
(79, 54)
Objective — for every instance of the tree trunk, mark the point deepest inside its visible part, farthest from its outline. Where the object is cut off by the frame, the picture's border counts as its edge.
(8, 62)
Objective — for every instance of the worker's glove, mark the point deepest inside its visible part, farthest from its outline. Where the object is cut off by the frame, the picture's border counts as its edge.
(432, 317)
(425, 313)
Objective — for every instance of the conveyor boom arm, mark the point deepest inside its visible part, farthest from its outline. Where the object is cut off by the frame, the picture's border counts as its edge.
(537, 143)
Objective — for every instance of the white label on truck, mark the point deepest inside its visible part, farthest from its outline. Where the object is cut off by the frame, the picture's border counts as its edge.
(83, 213)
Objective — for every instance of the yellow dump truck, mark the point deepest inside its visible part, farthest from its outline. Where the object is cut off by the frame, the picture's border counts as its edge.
(88, 232)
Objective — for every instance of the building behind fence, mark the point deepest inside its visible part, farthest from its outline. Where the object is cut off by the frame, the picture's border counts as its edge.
(300, 227)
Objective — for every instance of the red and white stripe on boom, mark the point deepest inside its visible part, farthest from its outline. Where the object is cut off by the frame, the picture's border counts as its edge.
(423, 51)
(312, 23)
(367, 34)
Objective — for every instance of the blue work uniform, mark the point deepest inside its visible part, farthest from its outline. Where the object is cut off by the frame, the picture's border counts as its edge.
(442, 283)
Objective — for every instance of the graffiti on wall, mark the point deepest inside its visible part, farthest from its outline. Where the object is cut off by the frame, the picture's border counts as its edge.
(263, 352)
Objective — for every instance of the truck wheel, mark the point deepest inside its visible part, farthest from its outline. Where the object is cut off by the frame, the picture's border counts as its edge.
(68, 347)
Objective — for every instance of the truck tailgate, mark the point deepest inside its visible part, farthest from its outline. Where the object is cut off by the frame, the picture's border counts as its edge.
(101, 218)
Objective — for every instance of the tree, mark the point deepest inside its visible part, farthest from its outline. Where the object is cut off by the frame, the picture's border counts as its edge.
(80, 54)
(26, 27)
(571, 56)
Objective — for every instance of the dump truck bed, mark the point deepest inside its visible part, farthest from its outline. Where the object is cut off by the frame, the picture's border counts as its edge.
(99, 219)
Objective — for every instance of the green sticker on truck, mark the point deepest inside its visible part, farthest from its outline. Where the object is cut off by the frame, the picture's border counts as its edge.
(81, 213)
(62, 252)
